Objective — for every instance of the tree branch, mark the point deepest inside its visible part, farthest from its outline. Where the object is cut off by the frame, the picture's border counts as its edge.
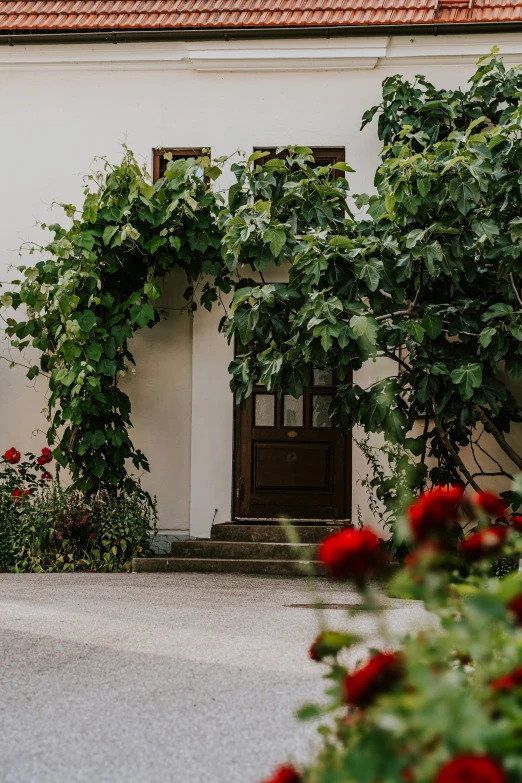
(504, 445)
(515, 289)
(391, 315)
(448, 444)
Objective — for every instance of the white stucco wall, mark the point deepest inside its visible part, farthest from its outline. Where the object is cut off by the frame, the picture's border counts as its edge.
(63, 105)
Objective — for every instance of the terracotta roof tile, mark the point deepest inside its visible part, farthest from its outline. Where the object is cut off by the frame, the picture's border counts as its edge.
(207, 14)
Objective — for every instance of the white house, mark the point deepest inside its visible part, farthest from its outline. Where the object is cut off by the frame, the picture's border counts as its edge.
(78, 78)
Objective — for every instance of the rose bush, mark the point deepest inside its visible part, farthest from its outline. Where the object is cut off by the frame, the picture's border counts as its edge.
(447, 706)
(44, 527)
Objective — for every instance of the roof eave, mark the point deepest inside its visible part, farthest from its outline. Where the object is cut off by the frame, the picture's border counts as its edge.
(24, 37)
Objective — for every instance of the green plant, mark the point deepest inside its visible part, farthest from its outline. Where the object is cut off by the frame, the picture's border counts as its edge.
(60, 529)
(446, 706)
(94, 286)
(427, 274)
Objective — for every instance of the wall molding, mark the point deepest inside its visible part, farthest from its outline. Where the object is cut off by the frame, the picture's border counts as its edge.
(337, 54)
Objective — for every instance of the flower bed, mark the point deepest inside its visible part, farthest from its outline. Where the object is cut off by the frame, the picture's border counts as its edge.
(44, 527)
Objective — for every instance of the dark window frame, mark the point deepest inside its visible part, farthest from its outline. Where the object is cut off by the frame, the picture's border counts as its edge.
(159, 163)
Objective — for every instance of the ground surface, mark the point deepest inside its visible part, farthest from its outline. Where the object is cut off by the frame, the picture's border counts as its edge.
(190, 678)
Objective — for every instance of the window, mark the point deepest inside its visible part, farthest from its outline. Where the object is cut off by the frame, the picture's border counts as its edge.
(159, 162)
(323, 156)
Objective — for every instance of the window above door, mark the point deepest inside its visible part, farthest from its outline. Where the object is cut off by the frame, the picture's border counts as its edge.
(159, 162)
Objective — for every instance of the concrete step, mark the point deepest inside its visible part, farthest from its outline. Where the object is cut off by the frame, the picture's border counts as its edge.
(142, 565)
(308, 534)
(243, 550)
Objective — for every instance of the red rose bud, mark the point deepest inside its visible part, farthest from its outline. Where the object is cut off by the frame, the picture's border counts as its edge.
(435, 512)
(515, 607)
(12, 455)
(379, 675)
(47, 475)
(485, 543)
(508, 682)
(492, 504)
(353, 554)
(471, 768)
(516, 523)
(285, 774)
(329, 643)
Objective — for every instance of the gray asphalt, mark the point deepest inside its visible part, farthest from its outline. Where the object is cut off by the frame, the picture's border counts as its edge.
(189, 678)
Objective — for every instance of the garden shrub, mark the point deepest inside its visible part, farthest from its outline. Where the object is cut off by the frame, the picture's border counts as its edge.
(447, 706)
(45, 527)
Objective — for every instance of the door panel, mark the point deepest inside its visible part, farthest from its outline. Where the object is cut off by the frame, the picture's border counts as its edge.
(290, 460)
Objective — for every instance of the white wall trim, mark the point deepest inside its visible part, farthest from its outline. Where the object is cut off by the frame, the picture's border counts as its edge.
(337, 54)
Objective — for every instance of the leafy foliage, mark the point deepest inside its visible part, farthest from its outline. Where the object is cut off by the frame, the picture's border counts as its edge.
(427, 273)
(94, 287)
(450, 695)
(63, 530)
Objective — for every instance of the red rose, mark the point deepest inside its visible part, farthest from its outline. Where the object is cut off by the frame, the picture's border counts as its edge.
(515, 606)
(508, 682)
(47, 475)
(490, 503)
(485, 543)
(47, 452)
(470, 768)
(435, 512)
(380, 674)
(516, 523)
(352, 554)
(285, 774)
(12, 455)
(16, 493)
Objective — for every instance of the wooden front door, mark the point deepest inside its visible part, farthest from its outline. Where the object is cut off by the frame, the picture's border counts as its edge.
(290, 460)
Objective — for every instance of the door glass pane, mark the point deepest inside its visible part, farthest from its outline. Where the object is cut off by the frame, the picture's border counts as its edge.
(293, 411)
(323, 378)
(320, 406)
(264, 410)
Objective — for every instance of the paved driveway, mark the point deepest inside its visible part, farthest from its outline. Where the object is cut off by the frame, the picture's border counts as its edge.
(189, 678)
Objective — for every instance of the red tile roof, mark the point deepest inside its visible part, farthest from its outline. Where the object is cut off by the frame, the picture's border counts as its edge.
(66, 15)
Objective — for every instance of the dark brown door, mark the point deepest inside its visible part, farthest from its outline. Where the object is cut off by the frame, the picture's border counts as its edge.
(290, 460)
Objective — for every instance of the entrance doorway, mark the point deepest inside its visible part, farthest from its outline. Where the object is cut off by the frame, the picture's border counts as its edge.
(290, 460)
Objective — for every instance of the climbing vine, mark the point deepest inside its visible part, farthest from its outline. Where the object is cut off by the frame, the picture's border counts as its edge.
(95, 284)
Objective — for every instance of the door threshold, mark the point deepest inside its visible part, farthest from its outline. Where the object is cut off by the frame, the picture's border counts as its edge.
(298, 520)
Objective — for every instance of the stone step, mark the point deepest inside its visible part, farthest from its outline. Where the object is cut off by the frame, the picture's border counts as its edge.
(243, 550)
(308, 534)
(141, 565)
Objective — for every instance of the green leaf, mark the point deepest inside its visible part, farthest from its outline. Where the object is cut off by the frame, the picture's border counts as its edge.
(109, 233)
(486, 336)
(432, 325)
(94, 351)
(152, 291)
(87, 320)
(365, 327)
(466, 194)
(71, 350)
(276, 238)
(414, 237)
(467, 378)
(389, 202)
(107, 367)
(416, 330)
(327, 332)
(33, 372)
(485, 229)
(370, 272)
